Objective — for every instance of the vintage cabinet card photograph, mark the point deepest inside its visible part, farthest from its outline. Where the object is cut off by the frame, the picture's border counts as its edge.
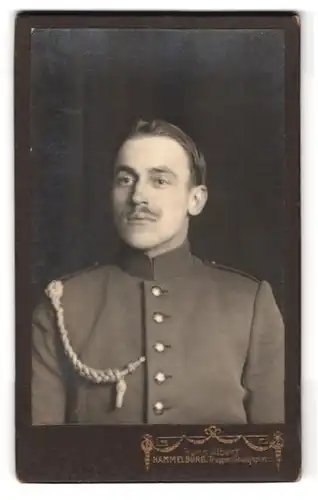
(157, 247)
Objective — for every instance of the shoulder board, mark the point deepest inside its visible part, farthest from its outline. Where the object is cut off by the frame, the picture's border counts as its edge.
(231, 270)
(65, 277)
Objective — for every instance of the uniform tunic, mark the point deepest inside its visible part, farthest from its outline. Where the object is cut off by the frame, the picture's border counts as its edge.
(213, 341)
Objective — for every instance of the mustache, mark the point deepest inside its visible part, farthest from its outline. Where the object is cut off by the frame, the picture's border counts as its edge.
(141, 211)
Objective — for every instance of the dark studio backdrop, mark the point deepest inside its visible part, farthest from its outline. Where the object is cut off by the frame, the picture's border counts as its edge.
(225, 88)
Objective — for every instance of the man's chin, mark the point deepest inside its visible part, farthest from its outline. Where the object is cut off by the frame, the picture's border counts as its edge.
(139, 244)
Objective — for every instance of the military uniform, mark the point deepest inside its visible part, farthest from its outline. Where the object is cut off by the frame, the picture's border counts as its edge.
(210, 345)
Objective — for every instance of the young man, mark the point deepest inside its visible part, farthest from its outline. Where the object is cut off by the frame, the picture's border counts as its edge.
(158, 337)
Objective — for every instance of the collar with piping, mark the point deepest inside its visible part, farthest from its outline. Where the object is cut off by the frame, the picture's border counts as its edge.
(167, 265)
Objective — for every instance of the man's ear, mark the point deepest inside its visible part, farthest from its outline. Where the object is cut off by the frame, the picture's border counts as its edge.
(198, 199)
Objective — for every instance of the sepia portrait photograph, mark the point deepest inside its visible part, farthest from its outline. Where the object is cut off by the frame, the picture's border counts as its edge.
(158, 250)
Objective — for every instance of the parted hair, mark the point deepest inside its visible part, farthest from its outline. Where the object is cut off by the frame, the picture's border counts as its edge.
(163, 128)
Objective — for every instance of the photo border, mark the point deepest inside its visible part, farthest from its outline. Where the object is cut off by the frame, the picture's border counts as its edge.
(89, 453)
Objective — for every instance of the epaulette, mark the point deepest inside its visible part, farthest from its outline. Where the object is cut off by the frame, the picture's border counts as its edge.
(66, 277)
(231, 270)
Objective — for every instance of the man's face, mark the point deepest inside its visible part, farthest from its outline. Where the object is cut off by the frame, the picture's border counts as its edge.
(152, 194)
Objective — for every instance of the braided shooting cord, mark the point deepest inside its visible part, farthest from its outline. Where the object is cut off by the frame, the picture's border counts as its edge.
(55, 292)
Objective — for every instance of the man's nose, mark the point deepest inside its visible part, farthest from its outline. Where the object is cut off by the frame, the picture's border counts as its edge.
(139, 193)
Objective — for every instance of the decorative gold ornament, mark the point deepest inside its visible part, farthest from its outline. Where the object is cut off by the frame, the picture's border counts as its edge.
(256, 442)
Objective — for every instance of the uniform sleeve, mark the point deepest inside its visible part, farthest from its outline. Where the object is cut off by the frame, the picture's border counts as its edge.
(48, 391)
(264, 372)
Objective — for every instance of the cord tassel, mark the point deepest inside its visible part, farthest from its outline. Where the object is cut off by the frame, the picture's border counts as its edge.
(121, 387)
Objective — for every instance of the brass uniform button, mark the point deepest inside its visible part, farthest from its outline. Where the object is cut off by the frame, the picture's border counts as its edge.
(159, 347)
(158, 318)
(160, 377)
(158, 408)
(156, 291)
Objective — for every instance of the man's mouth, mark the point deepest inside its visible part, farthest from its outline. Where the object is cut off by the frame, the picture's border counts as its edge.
(140, 218)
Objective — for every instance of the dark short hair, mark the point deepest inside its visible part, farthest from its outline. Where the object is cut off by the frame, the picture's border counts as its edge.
(166, 129)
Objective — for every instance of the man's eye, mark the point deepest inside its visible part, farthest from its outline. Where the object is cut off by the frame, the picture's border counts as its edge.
(124, 180)
(160, 182)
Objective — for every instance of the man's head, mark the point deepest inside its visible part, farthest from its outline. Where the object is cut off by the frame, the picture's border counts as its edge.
(159, 182)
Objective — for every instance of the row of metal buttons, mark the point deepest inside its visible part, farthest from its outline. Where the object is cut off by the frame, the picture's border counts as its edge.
(159, 377)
